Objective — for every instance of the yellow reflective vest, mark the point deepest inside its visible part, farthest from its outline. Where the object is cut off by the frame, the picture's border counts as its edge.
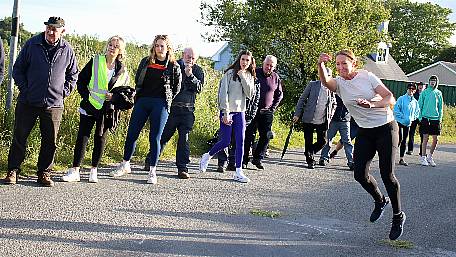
(98, 85)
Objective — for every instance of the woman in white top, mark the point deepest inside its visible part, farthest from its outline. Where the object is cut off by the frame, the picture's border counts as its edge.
(368, 101)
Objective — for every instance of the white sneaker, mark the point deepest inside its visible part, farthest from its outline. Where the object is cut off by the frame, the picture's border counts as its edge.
(93, 175)
(240, 177)
(423, 161)
(122, 169)
(152, 178)
(72, 175)
(204, 162)
(430, 160)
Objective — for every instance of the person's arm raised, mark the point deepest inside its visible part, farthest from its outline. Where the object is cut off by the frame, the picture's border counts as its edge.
(326, 80)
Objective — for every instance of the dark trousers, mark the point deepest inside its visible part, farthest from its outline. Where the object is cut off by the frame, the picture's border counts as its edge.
(262, 122)
(412, 130)
(238, 128)
(228, 154)
(311, 148)
(403, 134)
(25, 120)
(384, 141)
(86, 124)
(154, 110)
(182, 121)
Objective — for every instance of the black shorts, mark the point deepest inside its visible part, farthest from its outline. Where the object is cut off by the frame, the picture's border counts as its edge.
(430, 127)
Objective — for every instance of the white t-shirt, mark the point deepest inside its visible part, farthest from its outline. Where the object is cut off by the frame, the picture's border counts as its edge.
(363, 86)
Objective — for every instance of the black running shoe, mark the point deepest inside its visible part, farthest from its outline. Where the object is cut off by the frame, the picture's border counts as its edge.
(379, 208)
(402, 162)
(397, 226)
(258, 164)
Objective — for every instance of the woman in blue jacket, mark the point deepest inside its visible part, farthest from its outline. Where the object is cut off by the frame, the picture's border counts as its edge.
(406, 110)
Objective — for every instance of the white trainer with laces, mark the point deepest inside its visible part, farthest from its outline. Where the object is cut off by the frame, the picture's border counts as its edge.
(72, 175)
(152, 177)
(122, 169)
(93, 178)
(240, 177)
(430, 160)
(204, 162)
(423, 161)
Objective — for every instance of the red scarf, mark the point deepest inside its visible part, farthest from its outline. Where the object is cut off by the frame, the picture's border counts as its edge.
(156, 66)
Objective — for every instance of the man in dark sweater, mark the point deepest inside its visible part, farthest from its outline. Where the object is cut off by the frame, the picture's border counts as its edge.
(45, 72)
(181, 116)
(270, 97)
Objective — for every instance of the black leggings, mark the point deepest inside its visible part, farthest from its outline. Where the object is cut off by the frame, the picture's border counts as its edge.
(403, 134)
(86, 124)
(384, 141)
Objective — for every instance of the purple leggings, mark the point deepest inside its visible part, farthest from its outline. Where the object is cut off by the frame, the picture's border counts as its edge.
(238, 125)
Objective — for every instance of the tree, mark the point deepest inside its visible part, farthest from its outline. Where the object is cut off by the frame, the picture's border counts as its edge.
(5, 31)
(419, 31)
(295, 31)
(448, 55)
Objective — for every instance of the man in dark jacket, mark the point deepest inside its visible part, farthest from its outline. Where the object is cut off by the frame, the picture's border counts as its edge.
(181, 116)
(270, 97)
(2, 61)
(45, 73)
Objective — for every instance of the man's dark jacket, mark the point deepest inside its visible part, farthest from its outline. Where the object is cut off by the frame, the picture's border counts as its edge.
(43, 82)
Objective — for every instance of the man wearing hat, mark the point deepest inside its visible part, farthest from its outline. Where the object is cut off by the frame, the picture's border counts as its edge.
(45, 72)
(431, 115)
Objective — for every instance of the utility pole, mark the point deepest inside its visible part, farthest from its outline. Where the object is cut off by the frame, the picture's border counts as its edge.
(13, 53)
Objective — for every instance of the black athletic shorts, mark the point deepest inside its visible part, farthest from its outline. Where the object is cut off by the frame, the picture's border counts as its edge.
(430, 127)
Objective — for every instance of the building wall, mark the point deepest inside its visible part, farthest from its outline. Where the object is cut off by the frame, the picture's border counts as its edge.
(445, 76)
(225, 60)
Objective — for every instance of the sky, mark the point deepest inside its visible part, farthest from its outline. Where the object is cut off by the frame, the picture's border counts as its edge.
(138, 21)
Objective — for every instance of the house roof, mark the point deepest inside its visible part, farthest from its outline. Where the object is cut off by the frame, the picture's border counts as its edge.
(216, 56)
(389, 70)
(446, 71)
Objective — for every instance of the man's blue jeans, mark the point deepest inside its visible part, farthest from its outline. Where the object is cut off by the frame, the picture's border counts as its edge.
(344, 130)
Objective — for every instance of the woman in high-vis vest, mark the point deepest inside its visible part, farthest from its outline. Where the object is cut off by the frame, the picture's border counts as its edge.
(100, 75)
(158, 81)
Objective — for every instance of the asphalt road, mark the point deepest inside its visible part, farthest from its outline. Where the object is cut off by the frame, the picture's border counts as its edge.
(324, 212)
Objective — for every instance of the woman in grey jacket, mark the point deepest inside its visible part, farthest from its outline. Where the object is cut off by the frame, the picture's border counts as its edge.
(236, 85)
(315, 108)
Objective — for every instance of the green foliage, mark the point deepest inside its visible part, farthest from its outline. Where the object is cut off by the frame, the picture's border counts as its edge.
(263, 213)
(447, 54)
(5, 31)
(296, 32)
(448, 124)
(419, 32)
(398, 244)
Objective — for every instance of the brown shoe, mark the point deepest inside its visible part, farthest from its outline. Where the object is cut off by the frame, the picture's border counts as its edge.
(183, 174)
(44, 179)
(11, 177)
